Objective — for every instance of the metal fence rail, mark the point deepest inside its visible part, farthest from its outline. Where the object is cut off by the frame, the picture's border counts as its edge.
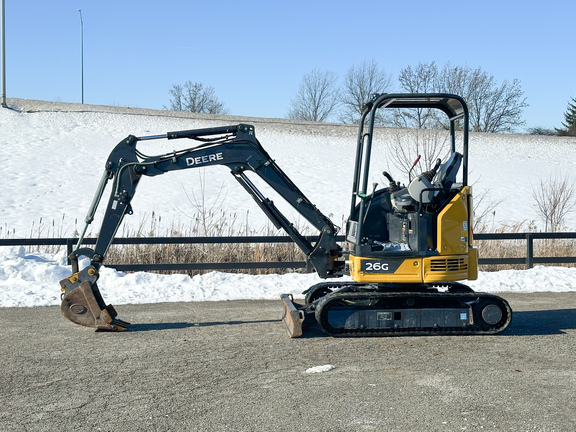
(529, 260)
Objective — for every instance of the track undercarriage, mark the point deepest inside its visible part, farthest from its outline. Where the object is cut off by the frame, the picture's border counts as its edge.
(359, 309)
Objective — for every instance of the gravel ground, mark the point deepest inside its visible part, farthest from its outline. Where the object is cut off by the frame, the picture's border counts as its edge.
(229, 366)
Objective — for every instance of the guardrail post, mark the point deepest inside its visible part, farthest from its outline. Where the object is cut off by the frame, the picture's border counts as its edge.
(69, 246)
(529, 250)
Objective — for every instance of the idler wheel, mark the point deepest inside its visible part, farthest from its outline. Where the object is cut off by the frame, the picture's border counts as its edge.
(491, 314)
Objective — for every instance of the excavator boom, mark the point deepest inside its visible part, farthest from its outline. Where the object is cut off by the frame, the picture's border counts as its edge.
(235, 147)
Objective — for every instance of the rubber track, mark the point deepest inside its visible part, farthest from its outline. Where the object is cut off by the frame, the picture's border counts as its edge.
(321, 315)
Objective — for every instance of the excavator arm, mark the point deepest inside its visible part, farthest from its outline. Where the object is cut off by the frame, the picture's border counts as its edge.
(235, 147)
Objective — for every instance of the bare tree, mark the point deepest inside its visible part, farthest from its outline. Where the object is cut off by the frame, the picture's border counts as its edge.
(421, 79)
(539, 130)
(454, 79)
(360, 84)
(194, 97)
(554, 200)
(317, 97)
(177, 102)
(493, 107)
(406, 146)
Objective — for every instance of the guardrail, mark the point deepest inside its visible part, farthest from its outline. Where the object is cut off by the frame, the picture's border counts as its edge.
(529, 260)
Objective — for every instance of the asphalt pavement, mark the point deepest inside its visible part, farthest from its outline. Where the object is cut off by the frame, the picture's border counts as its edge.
(230, 366)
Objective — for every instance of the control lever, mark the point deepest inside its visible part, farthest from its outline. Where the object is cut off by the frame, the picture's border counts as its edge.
(413, 166)
(393, 186)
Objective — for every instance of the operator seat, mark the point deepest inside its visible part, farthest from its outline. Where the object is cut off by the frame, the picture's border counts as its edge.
(425, 187)
(446, 175)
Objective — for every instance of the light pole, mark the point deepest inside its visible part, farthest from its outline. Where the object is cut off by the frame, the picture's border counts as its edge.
(3, 55)
(81, 52)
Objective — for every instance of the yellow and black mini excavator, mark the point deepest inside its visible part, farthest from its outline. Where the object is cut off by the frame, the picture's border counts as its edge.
(407, 247)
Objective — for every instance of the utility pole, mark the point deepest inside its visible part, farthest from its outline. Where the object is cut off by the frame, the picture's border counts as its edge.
(3, 54)
(81, 52)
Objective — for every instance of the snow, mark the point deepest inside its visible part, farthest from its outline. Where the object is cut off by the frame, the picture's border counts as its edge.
(32, 279)
(320, 369)
(53, 156)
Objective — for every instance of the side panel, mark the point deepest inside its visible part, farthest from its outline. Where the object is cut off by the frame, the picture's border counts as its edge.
(453, 229)
(386, 270)
(446, 268)
(435, 269)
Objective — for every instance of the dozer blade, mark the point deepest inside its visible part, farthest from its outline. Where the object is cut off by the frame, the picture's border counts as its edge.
(292, 317)
(81, 306)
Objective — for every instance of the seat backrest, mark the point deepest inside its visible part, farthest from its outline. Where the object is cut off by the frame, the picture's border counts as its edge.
(422, 190)
(446, 175)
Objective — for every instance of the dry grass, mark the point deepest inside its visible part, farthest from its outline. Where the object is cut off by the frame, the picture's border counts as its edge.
(220, 224)
(207, 253)
(210, 224)
(253, 252)
(204, 223)
(517, 248)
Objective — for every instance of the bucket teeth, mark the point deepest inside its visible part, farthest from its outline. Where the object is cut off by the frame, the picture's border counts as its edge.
(116, 325)
(83, 305)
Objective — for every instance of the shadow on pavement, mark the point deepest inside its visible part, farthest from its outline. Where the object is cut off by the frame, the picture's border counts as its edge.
(524, 323)
(545, 322)
(181, 325)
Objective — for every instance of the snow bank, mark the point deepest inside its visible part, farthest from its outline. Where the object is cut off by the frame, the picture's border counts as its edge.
(29, 279)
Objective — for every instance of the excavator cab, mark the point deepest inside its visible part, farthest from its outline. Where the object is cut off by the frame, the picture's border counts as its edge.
(419, 233)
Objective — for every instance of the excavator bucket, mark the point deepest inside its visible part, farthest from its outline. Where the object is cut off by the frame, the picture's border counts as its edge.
(293, 318)
(82, 303)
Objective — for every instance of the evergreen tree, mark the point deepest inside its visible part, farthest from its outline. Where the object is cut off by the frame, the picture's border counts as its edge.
(569, 122)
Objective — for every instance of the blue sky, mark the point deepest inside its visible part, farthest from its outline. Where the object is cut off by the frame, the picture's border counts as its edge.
(255, 53)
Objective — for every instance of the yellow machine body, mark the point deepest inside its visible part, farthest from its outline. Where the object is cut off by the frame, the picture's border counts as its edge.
(454, 258)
